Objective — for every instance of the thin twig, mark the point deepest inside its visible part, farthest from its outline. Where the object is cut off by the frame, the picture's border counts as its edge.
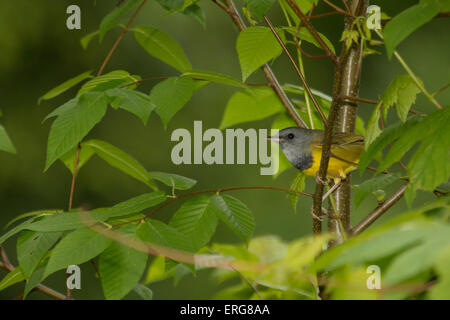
(302, 78)
(273, 81)
(311, 29)
(379, 210)
(358, 99)
(122, 34)
(40, 287)
(341, 11)
(347, 7)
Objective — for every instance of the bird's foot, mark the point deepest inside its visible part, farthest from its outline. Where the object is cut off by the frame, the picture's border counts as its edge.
(322, 213)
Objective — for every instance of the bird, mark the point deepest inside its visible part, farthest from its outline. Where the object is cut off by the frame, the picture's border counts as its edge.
(303, 148)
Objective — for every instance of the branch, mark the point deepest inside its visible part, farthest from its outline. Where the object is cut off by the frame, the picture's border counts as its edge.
(311, 29)
(124, 32)
(379, 210)
(273, 81)
(302, 78)
(44, 289)
(335, 7)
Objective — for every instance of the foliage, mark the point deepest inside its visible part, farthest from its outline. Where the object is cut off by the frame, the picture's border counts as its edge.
(412, 250)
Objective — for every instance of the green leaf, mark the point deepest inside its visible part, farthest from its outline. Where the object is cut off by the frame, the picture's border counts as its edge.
(33, 280)
(87, 39)
(170, 95)
(171, 4)
(45, 212)
(72, 103)
(259, 7)
(157, 232)
(406, 22)
(143, 291)
(5, 141)
(298, 184)
(162, 46)
(401, 92)
(121, 160)
(57, 222)
(66, 85)
(389, 135)
(173, 180)
(112, 18)
(108, 81)
(76, 248)
(424, 171)
(416, 260)
(372, 185)
(132, 101)
(441, 291)
(196, 12)
(305, 34)
(255, 47)
(73, 125)
(32, 247)
(235, 214)
(12, 278)
(373, 128)
(196, 219)
(68, 159)
(121, 268)
(214, 77)
(133, 205)
(250, 105)
(16, 230)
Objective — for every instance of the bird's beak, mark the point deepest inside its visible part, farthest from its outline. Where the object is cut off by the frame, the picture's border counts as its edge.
(274, 138)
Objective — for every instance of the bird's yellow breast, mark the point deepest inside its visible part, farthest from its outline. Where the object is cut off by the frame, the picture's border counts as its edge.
(336, 168)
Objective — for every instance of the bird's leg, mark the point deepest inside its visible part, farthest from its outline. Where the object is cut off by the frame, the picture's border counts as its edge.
(314, 215)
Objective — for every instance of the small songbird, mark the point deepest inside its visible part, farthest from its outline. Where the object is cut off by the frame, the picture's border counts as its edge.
(303, 148)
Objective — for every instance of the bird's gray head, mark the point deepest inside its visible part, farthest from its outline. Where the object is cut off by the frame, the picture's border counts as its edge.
(294, 142)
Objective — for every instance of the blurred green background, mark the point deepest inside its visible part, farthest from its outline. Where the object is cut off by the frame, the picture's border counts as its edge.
(38, 52)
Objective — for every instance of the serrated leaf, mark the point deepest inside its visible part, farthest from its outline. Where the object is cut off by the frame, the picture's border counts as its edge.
(33, 214)
(255, 47)
(214, 77)
(143, 291)
(250, 105)
(16, 230)
(424, 171)
(389, 135)
(157, 232)
(121, 160)
(66, 85)
(12, 278)
(235, 215)
(76, 248)
(108, 81)
(74, 124)
(32, 247)
(259, 7)
(112, 18)
(121, 267)
(371, 185)
(173, 180)
(401, 92)
(132, 101)
(5, 141)
(298, 184)
(162, 46)
(406, 22)
(170, 95)
(196, 220)
(373, 129)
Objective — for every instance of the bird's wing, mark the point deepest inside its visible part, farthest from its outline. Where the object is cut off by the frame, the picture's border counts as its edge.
(344, 146)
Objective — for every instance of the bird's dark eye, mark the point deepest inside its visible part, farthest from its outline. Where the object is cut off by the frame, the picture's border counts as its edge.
(290, 136)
